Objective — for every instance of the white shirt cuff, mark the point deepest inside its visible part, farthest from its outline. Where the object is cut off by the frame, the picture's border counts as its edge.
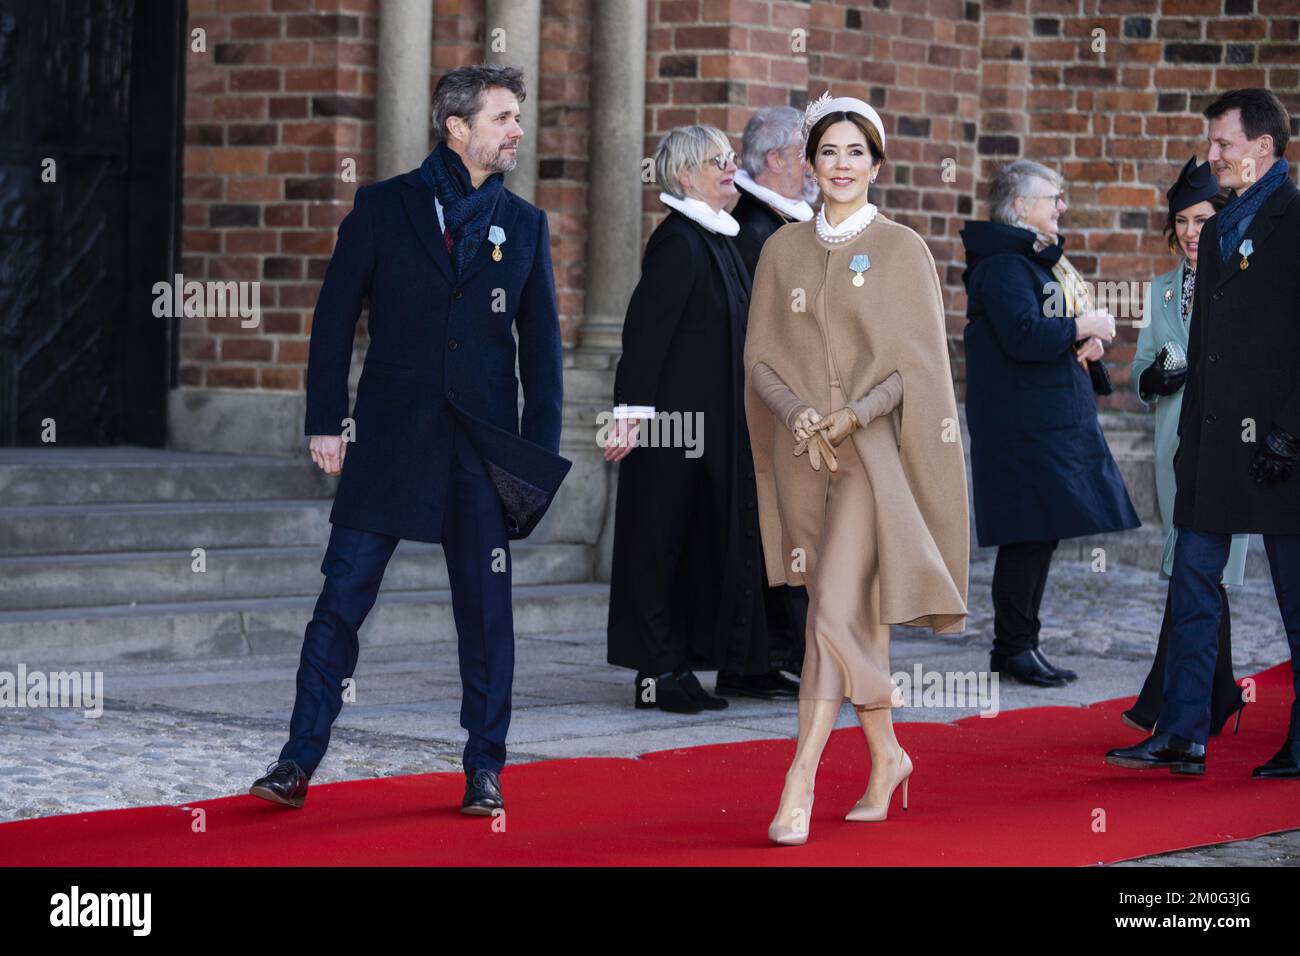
(634, 411)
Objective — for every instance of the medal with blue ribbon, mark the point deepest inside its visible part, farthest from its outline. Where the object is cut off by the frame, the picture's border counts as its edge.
(859, 264)
(1246, 249)
(496, 236)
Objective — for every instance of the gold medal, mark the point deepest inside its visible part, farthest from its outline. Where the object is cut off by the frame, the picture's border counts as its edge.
(859, 281)
(496, 235)
(1245, 264)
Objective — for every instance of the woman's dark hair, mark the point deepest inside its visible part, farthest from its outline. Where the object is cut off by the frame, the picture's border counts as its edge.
(1261, 112)
(874, 145)
(1218, 201)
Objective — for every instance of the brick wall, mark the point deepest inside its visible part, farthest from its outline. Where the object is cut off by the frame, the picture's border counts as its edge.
(284, 94)
(563, 140)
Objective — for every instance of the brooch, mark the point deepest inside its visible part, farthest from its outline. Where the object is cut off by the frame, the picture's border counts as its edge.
(496, 236)
(859, 264)
(1246, 249)
(1169, 294)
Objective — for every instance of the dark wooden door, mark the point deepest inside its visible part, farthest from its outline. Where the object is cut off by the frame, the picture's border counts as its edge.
(90, 105)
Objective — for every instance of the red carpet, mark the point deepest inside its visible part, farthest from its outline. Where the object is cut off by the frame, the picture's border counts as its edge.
(1026, 788)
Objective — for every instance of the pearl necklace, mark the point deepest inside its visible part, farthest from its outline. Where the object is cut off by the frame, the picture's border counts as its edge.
(867, 212)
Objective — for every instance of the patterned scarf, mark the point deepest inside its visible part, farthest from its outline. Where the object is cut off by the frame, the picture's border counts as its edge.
(1078, 299)
(1242, 206)
(465, 210)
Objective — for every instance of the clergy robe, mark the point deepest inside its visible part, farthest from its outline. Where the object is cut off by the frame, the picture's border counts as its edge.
(686, 582)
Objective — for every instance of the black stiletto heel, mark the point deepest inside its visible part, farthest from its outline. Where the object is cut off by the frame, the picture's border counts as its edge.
(1237, 727)
(1130, 718)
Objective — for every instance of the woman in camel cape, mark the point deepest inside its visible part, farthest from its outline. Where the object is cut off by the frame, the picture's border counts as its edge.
(857, 450)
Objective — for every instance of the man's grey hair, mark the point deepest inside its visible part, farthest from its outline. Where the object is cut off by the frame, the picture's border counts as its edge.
(772, 127)
(460, 93)
(684, 148)
(1017, 179)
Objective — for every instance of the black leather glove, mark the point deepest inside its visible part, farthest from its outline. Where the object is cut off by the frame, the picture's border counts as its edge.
(1158, 381)
(1275, 458)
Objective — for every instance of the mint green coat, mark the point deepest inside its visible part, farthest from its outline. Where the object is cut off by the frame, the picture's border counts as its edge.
(1165, 323)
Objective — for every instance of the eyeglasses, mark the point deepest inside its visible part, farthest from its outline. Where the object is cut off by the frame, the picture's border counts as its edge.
(722, 160)
(1055, 198)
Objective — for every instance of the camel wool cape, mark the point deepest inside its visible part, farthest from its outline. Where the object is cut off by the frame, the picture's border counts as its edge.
(913, 456)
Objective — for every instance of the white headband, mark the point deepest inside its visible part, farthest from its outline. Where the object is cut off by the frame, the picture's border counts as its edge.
(845, 104)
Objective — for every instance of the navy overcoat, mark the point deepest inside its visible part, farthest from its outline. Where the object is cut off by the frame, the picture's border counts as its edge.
(1243, 355)
(1040, 466)
(441, 345)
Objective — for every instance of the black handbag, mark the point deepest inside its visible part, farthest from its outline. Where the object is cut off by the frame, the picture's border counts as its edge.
(1098, 373)
(1101, 383)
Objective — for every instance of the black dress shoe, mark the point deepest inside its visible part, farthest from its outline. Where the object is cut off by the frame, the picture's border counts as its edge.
(1160, 751)
(284, 783)
(1026, 668)
(770, 686)
(1283, 765)
(785, 683)
(1063, 672)
(482, 793)
(664, 693)
(691, 684)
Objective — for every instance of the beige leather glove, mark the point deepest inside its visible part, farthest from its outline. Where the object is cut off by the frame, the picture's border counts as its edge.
(819, 451)
(838, 425)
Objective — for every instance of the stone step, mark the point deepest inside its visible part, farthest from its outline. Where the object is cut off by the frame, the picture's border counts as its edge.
(151, 577)
(68, 476)
(184, 525)
(235, 628)
(1139, 476)
(161, 526)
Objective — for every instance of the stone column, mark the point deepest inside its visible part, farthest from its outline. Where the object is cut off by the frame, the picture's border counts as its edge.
(618, 55)
(403, 99)
(513, 38)
(617, 145)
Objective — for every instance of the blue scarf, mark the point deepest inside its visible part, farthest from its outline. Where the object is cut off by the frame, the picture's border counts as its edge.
(1234, 218)
(466, 211)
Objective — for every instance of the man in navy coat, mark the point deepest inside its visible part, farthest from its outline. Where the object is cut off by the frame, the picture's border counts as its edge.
(1239, 429)
(435, 448)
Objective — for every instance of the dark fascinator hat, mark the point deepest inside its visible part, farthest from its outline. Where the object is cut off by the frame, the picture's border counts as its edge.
(1195, 184)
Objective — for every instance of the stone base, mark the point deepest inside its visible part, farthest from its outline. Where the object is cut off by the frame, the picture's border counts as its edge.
(236, 421)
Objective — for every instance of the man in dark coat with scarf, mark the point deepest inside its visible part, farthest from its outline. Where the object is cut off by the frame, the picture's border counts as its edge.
(449, 261)
(1239, 429)
(770, 182)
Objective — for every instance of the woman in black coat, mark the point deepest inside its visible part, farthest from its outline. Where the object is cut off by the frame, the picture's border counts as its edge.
(686, 584)
(1040, 466)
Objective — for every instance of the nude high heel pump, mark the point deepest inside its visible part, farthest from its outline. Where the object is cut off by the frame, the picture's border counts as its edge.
(866, 813)
(792, 836)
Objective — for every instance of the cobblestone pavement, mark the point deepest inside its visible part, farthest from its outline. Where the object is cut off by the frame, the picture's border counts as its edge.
(177, 732)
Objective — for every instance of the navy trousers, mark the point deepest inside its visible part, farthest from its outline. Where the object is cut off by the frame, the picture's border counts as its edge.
(1199, 559)
(472, 532)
